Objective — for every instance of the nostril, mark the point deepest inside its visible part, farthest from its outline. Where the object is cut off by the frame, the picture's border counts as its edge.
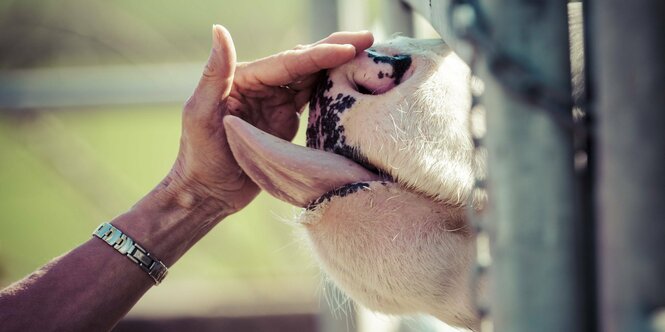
(377, 73)
(363, 89)
(373, 87)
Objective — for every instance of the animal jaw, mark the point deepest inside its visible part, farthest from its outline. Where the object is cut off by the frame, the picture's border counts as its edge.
(386, 186)
(395, 251)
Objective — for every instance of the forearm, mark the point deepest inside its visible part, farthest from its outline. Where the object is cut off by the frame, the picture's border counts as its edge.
(93, 286)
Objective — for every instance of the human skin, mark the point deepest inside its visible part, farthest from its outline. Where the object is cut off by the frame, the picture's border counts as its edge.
(93, 286)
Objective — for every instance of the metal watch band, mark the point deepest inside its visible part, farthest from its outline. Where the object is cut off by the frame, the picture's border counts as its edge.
(126, 246)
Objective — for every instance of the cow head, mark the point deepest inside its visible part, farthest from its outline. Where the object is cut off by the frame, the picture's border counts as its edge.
(385, 179)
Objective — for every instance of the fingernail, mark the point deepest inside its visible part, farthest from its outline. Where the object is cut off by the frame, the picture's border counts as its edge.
(215, 36)
(350, 47)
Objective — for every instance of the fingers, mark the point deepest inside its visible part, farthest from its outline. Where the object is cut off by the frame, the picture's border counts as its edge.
(291, 66)
(296, 65)
(217, 78)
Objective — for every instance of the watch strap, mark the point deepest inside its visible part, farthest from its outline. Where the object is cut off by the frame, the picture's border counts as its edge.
(132, 250)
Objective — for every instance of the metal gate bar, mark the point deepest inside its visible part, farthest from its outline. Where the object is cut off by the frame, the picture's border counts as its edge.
(628, 40)
(535, 274)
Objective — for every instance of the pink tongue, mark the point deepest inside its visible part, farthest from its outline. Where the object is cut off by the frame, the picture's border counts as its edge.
(292, 173)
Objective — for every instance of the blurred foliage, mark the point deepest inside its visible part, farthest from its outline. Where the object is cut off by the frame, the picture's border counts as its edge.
(37, 33)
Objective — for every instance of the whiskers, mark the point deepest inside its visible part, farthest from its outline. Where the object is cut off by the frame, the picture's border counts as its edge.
(335, 305)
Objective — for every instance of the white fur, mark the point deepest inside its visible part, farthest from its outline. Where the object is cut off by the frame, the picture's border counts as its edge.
(405, 247)
(418, 132)
(395, 251)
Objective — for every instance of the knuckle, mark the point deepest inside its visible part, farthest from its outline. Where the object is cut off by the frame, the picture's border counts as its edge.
(289, 54)
(335, 34)
(190, 105)
(290, 71)
(209, 71)
(286, 59)
(314, 59)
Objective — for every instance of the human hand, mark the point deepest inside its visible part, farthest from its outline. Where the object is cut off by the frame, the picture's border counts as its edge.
(269, 93)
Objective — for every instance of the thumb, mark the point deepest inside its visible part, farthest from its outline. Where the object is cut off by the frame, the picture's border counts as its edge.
(217, 78)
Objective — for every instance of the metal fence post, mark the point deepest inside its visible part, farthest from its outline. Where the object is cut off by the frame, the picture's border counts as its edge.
(628, 40)
(396, 17)
(535, 273)
(323, 18)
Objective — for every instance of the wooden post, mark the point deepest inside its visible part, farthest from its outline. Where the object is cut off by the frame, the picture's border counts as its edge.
(628, 44)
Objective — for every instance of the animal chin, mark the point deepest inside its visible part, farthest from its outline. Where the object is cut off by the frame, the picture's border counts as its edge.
(295, 174)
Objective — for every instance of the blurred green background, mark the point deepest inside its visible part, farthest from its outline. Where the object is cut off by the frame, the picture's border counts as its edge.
(38, 33)
(64, 170)
(90, 101)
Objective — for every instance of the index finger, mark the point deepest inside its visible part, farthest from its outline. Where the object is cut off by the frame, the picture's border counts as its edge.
(296, 65)
(360, 39)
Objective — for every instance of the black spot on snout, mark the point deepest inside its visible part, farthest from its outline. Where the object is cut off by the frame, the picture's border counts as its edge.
(399, 62)
(325, 131)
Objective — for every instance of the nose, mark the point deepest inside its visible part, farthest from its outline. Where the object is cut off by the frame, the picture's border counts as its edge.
(377, 72)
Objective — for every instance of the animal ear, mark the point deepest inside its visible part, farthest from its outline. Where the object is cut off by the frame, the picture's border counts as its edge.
(289, 172)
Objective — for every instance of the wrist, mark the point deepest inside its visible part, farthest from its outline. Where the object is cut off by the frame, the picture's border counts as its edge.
(171, 219)
(185, 191)
(228, 190)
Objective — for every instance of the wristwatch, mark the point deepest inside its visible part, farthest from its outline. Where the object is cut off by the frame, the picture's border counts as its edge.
(132, 250)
